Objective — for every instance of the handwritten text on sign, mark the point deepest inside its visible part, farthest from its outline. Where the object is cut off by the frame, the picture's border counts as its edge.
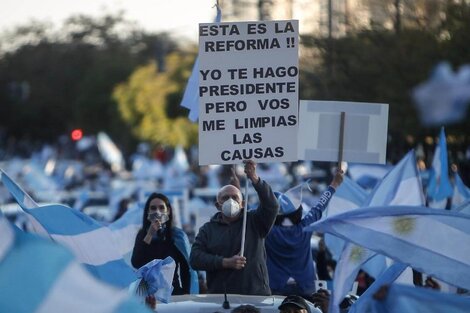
(248, 92)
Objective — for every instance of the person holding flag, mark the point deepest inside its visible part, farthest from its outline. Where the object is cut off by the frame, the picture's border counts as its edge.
(216, 248)
(289, 256)
(159, 239)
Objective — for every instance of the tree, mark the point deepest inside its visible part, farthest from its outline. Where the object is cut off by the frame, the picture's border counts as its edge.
(53, 81)
(149, 102)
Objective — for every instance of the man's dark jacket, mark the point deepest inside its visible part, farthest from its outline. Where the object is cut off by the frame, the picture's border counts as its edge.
(217, 240)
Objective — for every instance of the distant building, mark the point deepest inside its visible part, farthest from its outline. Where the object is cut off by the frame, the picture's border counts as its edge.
(337, 17)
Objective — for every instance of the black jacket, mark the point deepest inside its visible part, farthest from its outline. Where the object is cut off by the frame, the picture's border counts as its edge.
(217, 240)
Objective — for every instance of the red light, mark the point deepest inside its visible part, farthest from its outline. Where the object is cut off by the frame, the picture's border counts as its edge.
(76, 134)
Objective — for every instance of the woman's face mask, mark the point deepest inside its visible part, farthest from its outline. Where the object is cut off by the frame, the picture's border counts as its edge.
(230, 208)
(161, 217)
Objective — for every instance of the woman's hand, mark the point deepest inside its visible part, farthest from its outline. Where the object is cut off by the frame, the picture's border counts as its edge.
(154, 227)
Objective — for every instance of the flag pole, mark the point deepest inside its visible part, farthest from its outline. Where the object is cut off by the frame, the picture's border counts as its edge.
(242, 248)
(341, 139)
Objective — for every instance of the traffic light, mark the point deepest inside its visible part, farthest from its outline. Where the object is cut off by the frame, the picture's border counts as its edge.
(76, 134)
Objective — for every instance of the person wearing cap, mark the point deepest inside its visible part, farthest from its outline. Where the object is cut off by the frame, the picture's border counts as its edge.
(289, 256)
(294, 304)
(217, 246)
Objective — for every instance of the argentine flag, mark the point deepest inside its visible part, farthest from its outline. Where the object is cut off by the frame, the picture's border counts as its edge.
(401, 186)
(101, 249)
(404, 299)
(461, 192)
(387, 278)
(431, 241)
(39, 276)
(439, 188)
(191, 93)
(348, 196)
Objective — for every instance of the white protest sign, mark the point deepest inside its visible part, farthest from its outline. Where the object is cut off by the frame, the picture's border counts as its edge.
(365, 131)
(248, 92)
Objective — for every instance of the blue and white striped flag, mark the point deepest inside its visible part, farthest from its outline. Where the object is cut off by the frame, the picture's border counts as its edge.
(417, 236)
(406, 299)
(445, 96)
(461, 192)
(402, 185)
(387, 278)
(99, 248)
(348, 196)
(350, 261)
(191, 93)
(439, 188)
(38, 276)
(464, 208)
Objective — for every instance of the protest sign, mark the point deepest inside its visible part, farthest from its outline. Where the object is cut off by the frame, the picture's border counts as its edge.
(248, 92)
(365, 131)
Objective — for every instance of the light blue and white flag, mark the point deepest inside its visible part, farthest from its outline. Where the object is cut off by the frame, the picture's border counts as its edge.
(406, 299)
(98, 247)
(439, 188)
(431, 241)
(445, 96)
(38, 276)
(110, 152)
(155, 278)
(401, 186)
(461, 192)
(464, 208)
(368, 175)
(362, 305)
(350, 261)
(191, 93)
(348, 196)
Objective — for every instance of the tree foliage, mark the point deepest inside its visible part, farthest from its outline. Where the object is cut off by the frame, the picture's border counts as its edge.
(53, 81)
(380, 65)
(149, 102)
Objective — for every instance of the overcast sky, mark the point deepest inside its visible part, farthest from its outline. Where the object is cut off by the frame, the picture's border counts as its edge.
(180, 17)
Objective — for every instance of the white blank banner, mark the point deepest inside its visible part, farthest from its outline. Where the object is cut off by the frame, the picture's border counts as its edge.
(365, 131)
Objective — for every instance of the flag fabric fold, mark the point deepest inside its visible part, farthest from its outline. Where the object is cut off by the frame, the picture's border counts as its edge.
(417, 236)
(96, 246)
(158, 276)
(404, 299)
(402, 185)
(461, 192)
(39, 276)
(445, 96)
(191, 93)
(346, 271)
(348, 196)
(362, 305)
(439, 187)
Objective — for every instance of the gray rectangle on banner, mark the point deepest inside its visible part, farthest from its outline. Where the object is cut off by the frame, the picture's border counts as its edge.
(351, 156)
(348, 107)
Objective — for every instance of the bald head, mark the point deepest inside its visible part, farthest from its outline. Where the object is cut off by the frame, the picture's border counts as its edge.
(227, 192)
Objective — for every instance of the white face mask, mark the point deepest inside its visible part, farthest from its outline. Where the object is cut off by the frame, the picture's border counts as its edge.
(230, 208)
(162, 217)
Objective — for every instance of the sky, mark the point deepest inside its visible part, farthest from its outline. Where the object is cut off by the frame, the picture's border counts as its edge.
(178, 17)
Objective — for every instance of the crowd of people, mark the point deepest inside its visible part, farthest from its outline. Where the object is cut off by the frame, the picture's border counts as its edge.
(243, 249)
(275, 258)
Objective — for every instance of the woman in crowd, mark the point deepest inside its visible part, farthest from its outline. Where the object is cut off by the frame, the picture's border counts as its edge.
(158, 239)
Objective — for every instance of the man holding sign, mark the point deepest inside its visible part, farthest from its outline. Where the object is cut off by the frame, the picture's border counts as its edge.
(216, 248)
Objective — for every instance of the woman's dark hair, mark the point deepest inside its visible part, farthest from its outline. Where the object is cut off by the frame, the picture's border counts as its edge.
(169, 223)
(295, 217)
